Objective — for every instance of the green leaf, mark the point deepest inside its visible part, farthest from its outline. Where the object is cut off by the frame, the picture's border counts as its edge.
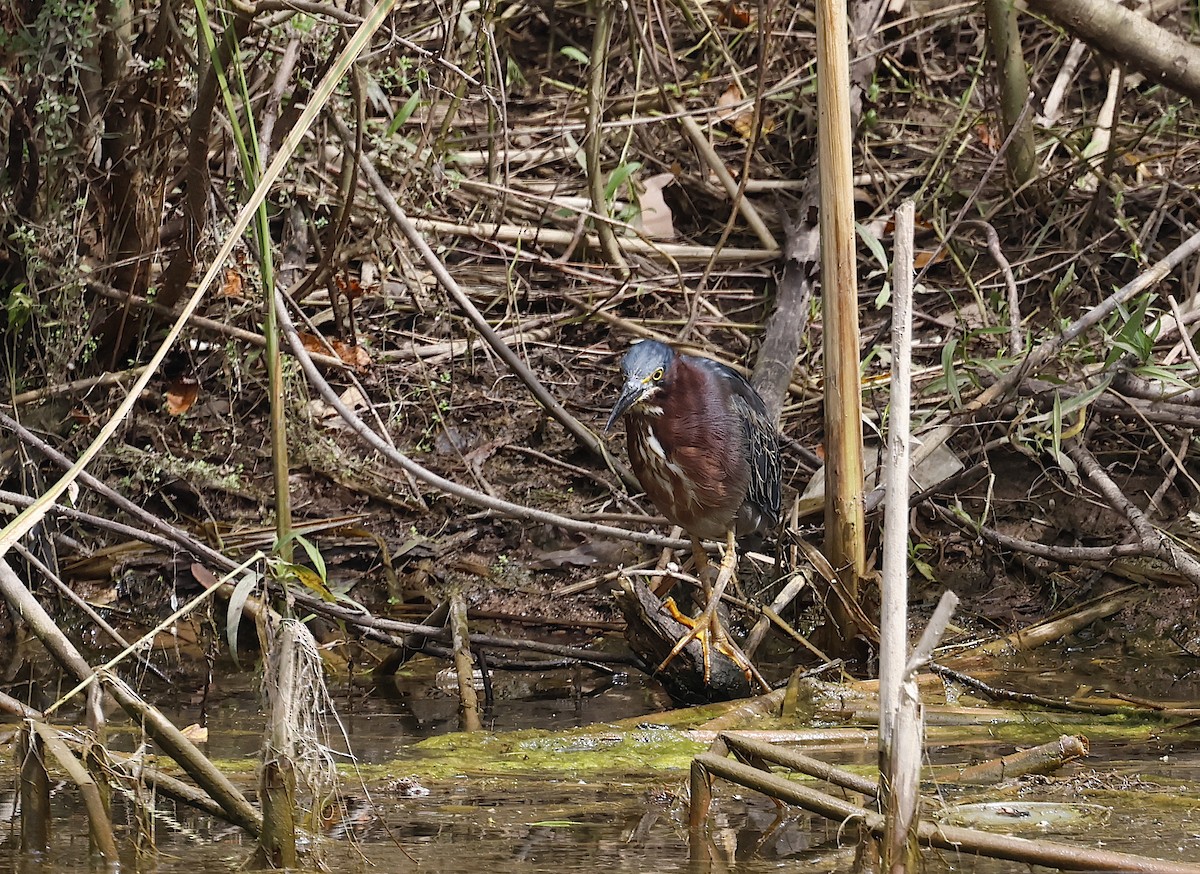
(314, 556)
(1064, 285)
(308, 578)
(19, 307)
(1166, 374)
(1085, 398)
(948, 352)
(1133, 338)
(619, 177)
(405, 113)
(575, 55)
(872, 242)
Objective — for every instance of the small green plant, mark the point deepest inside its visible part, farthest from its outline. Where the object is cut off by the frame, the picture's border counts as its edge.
(314, 578)
(18, 307)
(1127, 334)
(920, 565)
(876, 248)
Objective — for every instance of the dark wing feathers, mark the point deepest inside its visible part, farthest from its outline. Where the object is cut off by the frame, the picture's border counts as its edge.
(762, 442)
(762, 439)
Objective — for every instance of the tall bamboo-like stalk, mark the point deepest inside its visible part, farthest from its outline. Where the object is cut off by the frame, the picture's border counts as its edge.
(844, 532)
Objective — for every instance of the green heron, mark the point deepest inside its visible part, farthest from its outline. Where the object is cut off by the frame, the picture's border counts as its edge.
(707, 455)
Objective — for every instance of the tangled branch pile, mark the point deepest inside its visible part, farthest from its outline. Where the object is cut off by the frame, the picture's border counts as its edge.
(589, 174)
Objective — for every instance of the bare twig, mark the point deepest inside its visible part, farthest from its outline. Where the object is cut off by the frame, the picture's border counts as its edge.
(586, 437)
(1153, 541)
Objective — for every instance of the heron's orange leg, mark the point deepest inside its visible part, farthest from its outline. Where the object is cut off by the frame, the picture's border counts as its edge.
(707, 628)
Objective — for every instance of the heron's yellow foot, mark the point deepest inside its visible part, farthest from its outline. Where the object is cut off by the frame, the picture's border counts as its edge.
(707, 627)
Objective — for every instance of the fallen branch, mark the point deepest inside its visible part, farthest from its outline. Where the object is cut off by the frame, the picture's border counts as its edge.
(1042, 759)
(958, 840)
(1131, 40)
(1153, 541)
(997, 694)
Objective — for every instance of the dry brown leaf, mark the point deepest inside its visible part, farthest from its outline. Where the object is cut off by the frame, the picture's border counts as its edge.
(351, 353)
(739, 115)
(351, 288)
(922, 258)
(735, 16)
(181, 394)
(204, 576)
(326, 416)
(729, 99)
(196, 733)
(987, 137)
(232, 287)
(313, 344)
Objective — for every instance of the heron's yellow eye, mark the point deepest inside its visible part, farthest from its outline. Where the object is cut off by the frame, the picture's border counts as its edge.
(658, 375)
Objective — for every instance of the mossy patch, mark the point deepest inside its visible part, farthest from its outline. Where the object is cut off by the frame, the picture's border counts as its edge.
(585, 752)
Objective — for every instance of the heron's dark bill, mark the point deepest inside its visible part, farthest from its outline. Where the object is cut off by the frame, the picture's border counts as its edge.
(630, 395)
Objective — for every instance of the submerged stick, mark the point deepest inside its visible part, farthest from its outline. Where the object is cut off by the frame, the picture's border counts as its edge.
(99, 825)
(173, 742)
(954, 838)
(34, 792)
(468, 701)
(134, 770)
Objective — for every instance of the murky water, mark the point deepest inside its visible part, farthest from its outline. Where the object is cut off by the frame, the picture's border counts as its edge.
(630, 819)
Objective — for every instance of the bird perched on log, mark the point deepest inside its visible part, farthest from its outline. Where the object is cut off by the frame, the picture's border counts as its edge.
(707, 454)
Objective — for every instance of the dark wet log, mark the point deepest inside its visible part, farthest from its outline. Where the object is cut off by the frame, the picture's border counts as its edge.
(652, 632)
